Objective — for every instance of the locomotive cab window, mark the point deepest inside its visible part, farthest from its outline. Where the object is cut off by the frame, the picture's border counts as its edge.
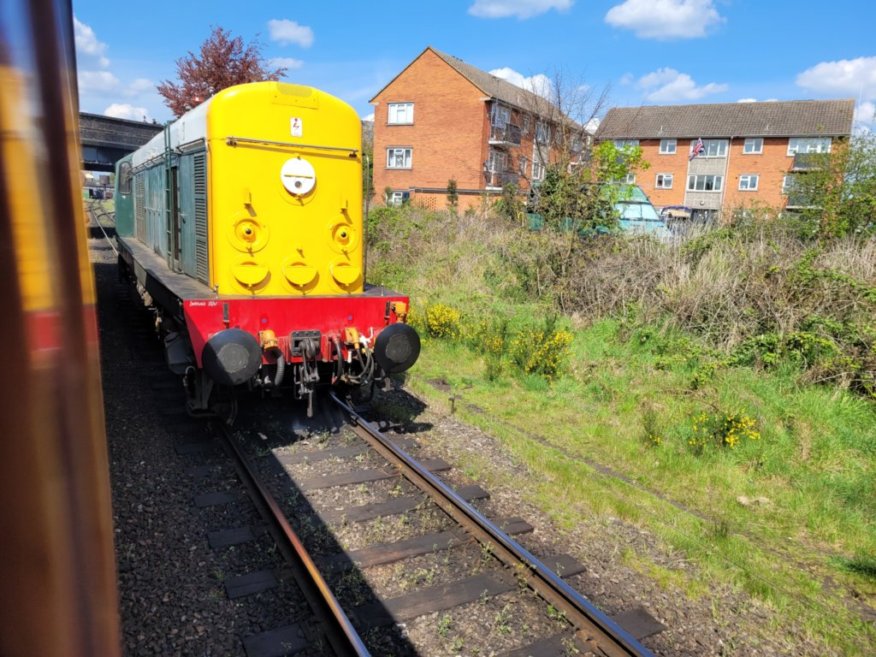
(125, 178)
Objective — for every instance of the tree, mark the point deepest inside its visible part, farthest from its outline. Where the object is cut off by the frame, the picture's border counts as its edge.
(223, 62)
(836, 191)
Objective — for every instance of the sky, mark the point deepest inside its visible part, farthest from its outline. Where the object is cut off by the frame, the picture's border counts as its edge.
(640, 52)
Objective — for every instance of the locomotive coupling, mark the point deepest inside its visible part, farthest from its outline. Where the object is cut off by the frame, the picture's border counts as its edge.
(397, 348)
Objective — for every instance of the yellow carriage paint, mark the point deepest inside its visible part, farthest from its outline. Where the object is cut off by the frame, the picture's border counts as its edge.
(285, 192)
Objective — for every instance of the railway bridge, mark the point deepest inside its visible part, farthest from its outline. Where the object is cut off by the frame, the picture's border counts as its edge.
(105, 139)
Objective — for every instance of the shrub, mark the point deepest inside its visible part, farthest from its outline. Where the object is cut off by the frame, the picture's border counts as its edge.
(725, 430)
(442, 321)
(543, 351)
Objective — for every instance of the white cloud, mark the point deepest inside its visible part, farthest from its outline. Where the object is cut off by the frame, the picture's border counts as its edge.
(285, 62)
(747, 100)
(865, 114)
(138, 87)
(97, 81)
(125, 111)
(522, 9)
(369, 117)
(665, 19)
(88, 44)
(755, 100)
(666, 85)
(284, 32)
(538, 83)
(850, 77)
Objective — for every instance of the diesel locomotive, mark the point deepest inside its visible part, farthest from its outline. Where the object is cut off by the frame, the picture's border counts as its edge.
(241, 226)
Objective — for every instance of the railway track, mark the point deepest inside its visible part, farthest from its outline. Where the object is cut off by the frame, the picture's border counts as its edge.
(367, 549)
(393, 560)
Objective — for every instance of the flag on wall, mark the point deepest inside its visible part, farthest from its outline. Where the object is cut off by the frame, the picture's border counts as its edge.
(697, 149)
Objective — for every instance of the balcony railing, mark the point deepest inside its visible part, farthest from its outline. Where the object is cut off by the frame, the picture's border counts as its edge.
(509, 135)
(498, 179)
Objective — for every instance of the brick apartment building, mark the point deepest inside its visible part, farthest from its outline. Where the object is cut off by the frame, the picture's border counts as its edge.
(750, 151)
(442, 119)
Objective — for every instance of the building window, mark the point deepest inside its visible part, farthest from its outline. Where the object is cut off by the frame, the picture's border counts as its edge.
(398, 158)
(521, 165)
(664, 181)
(497, 161)
(400, 114)
(713, 147)
(398, 198)
(527, 120)
(668, 146)
(748, 183)
(629, 179)
(537, 164)
(705, 183)
(542, 132)
(808, 145)
(623, 143)
(501, 116)
(753, 145)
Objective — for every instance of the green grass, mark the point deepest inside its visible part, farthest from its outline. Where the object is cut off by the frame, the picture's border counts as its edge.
(787, 518)
(582, 439)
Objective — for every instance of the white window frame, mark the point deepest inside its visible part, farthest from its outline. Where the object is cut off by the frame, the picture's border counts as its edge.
(407, 157)
(713, 147)
(668, 146)
(748, 182)
(623, 143)
(717, 182)
(629, 179)
(521, 164)
(500, 116)
(801, 145)
(752, 146)
(538, 167)
(664, 181)
(542, 132)
(397, 114)
(497, 161)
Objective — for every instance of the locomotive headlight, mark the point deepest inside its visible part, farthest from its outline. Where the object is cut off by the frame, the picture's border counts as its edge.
(298, 176)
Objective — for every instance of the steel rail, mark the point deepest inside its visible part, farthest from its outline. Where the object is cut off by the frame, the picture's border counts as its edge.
(594, 628)
(341, 633)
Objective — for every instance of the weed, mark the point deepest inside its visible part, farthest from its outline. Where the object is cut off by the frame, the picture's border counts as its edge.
(502, 620)
(445, 623)
(721, 430)
(651, 433)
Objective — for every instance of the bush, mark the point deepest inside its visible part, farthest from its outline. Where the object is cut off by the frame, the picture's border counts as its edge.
(723, 430)
(543, 351)
(442, 321)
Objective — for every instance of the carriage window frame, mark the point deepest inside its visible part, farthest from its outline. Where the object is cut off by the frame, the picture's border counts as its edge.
(126, 177)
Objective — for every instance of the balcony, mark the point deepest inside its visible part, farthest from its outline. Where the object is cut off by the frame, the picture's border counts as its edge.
(507, 135)
(496, 180)
(808, 161)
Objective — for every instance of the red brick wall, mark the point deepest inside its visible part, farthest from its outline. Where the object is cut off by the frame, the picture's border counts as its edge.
(772, 165)
(448, 136)
(675, 164)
